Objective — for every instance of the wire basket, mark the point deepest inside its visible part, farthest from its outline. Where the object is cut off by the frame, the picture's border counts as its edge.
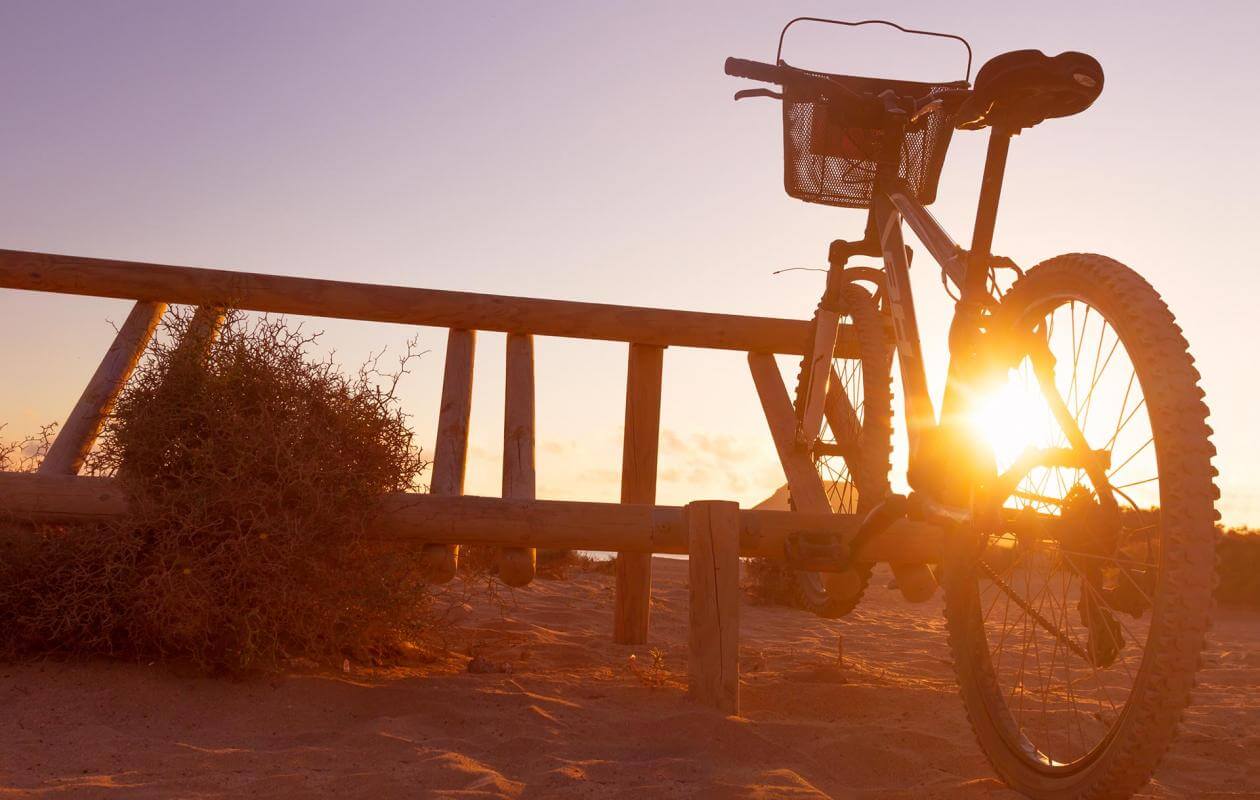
(832, 159)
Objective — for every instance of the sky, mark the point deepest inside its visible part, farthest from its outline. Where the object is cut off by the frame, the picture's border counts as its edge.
(591, 151)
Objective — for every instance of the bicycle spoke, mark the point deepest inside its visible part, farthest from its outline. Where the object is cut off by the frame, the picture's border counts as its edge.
(1046, 605)
(1150, 441)
(1027, 607)
(1089, 396)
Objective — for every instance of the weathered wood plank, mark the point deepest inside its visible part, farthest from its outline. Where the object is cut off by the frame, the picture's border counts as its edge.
(808, 492)
(517, 564)
(713, 568)
(419, 518)
(101, 277)
(74, 440)
(450, 452)
(632, 606)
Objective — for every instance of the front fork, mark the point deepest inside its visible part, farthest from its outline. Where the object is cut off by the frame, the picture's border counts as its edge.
(826, 328)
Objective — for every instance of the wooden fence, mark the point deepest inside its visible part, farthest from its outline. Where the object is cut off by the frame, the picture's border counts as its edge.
(517, 522)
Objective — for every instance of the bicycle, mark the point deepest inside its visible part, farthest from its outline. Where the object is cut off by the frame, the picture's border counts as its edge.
(1079, 558)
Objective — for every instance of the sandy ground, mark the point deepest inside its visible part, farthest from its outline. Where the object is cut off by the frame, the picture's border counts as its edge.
(575, 719)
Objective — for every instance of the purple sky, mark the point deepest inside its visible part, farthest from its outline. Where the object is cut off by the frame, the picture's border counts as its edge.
(590, 150)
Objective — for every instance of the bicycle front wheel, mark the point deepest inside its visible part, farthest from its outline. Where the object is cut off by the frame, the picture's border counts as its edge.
(856, 442)
(1076, 627)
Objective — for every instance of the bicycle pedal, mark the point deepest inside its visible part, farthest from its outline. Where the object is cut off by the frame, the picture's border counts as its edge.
(810, 549)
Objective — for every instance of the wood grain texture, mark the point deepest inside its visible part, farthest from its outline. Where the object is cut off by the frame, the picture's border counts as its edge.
(202, 331)
(632, 606)
(808, 492)
(450, 452)
(415, 518)
(74, 440)
(713, 638)
(517, 565)
(100, 277)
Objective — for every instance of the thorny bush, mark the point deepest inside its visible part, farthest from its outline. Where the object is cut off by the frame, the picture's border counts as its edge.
(253, 472)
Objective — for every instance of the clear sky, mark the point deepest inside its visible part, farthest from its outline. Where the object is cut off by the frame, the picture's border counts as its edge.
(591, 151)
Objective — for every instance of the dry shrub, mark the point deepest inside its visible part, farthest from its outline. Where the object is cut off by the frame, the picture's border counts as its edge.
(769, 582)
(252, 476)
(654, 675)
(478, 561)
(1238, 567)
(24, 455)
(482, 562)
(558, 565)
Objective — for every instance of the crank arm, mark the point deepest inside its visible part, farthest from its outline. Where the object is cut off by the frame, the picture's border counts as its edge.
(815, 552)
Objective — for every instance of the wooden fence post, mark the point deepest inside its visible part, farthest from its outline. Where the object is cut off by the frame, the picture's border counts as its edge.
(632, 606)
(74, 440)
(713, 566)
(517, 564)
(450, 452)
(202, 331)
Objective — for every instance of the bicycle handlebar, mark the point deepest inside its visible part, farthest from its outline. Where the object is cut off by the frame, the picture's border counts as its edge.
(786, 76)
(834, 91)
(791, 77)
(754, 70)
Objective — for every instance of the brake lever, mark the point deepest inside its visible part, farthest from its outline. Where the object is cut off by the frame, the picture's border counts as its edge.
(926, 108)
(743, 94)
(893, 102)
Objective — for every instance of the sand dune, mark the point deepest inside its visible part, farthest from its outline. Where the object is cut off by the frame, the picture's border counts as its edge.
(575, 719)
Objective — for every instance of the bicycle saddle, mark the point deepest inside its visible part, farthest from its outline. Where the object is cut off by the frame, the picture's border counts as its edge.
(1024, 87)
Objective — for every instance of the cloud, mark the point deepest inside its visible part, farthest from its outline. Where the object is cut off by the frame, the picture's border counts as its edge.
(720, 447)
(600, 475)
(709, 462)
(671, 441)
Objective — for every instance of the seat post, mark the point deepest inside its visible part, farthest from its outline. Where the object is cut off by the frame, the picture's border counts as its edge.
(965, 364)
(975, 286)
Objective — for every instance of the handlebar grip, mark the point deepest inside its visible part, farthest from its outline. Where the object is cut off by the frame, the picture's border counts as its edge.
(754, 70)
(806, 83)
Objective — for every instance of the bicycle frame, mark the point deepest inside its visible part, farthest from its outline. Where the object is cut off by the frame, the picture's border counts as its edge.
(969, 271)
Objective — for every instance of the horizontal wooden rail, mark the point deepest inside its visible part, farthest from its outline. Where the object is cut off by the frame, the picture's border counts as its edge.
(556, 524)
(98, 277)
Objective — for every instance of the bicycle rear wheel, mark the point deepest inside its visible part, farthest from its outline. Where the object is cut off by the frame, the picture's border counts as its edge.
(1076, 628)
(856, 443)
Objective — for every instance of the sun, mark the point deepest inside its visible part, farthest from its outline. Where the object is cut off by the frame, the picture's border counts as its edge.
(1011, 418)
